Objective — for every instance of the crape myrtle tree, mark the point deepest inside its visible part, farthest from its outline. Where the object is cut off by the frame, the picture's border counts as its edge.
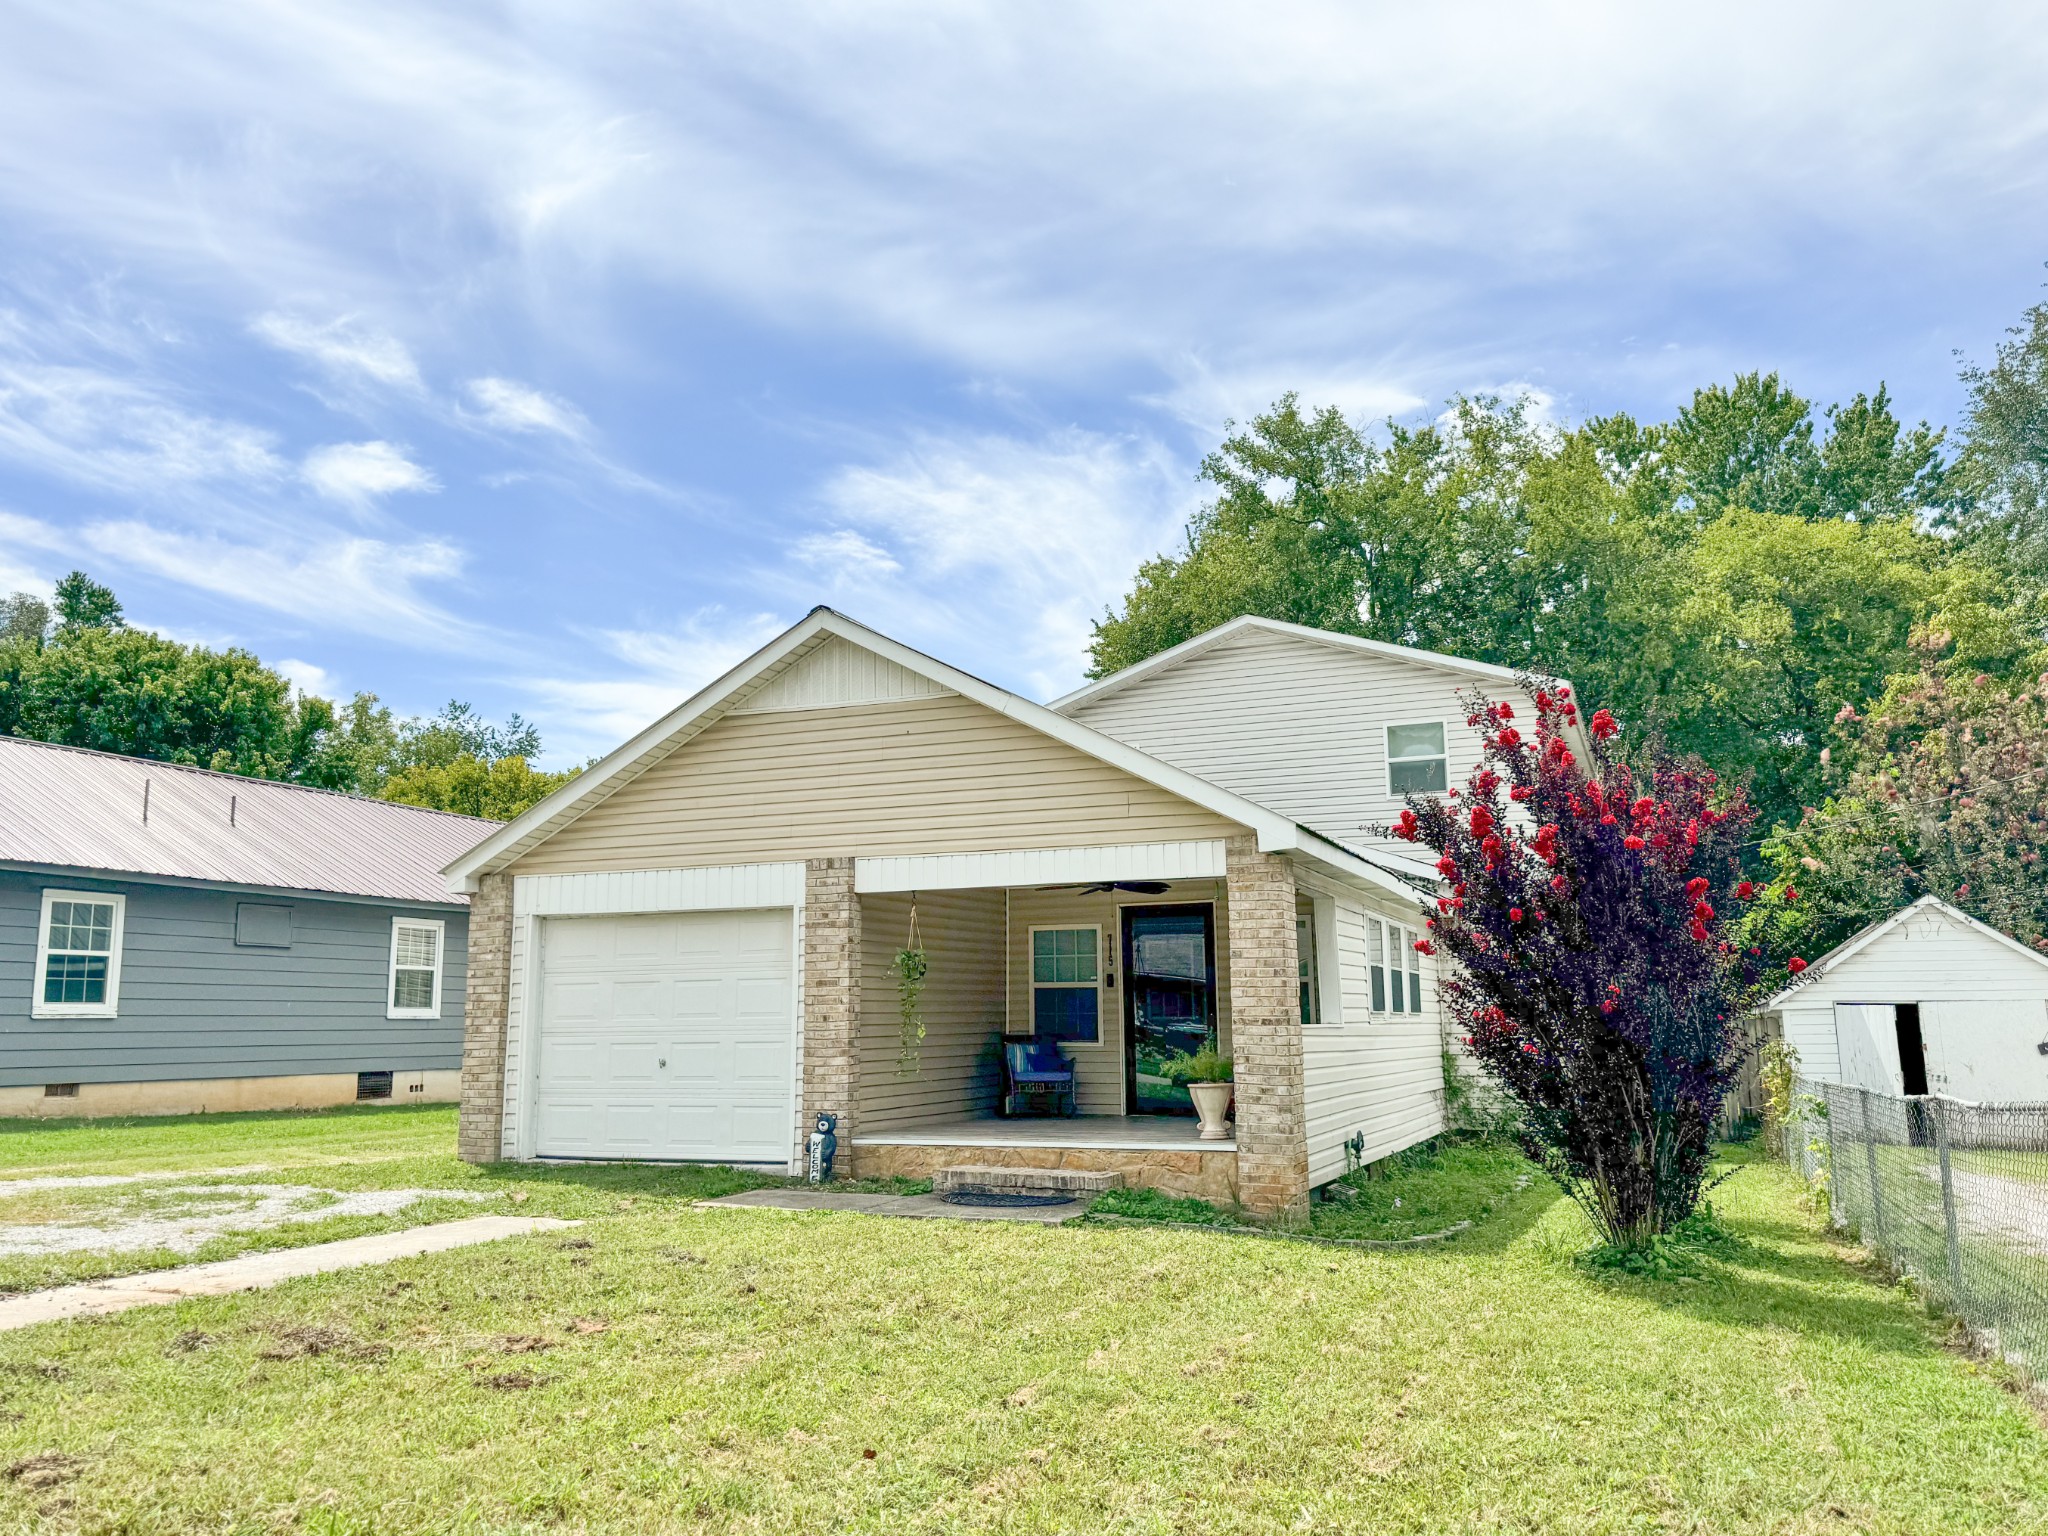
(1597, 980)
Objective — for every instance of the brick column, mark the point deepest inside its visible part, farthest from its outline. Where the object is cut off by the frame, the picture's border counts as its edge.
(482, 1117)
(1265, 1031)
(831, 997)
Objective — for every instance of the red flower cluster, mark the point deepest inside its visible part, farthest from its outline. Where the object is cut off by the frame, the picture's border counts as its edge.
(1795, 965)
(1408, 829)
(1603, 725)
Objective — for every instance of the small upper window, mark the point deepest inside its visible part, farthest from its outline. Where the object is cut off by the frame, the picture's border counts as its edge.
(1065, 1001)
(78, 956)
(1416, 761)
(415, 968)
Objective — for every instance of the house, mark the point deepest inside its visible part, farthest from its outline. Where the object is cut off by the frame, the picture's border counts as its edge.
(175, 940)
(1927, 1001)
(689, 952)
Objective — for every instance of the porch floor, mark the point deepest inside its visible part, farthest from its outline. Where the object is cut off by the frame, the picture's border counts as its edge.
(1137, 1133)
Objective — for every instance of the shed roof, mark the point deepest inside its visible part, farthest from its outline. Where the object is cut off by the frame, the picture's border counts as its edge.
(70, 807)
(1863, 938)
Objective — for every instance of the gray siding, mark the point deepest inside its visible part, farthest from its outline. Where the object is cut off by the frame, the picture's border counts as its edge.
(195, 1005)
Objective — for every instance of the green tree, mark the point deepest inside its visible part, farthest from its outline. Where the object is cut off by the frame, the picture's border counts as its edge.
(1940, 789)
(471, 786)
(2002, 472)
(24, 616)
(83, 603)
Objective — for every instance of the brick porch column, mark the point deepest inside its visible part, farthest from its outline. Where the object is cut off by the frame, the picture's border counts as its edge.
(1265, 1031)
(482, 1116)
(831, 997)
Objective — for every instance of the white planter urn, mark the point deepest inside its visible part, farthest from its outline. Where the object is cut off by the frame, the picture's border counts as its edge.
(1211, 1101)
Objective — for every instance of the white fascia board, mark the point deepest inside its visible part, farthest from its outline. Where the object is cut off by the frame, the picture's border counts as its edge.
(1275, 832)
(1195, 860)
(1335, 859)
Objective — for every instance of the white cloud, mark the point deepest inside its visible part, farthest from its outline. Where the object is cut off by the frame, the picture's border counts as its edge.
(1206, 397)
(309, 677)
(361, 472)
(515, 408)
(122, 434)
(653, 672)
(342, 582)
(1006, 550)
(344, 348)
(842, 552)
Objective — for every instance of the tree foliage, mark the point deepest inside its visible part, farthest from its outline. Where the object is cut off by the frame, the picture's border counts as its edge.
(1941, 789)
(83, 677)
(1588, 911)
(1726, 580)
(2001, 511)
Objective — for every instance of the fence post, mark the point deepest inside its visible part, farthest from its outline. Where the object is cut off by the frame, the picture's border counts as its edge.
(1948, 1203)
(1870, 1161)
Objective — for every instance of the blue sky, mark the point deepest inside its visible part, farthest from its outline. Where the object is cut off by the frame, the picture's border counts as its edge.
(554, 356)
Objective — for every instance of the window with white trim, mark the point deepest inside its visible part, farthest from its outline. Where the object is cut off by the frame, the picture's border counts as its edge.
(1417, 763)
(1066, 997)
(417, 945)
(78, 955)
(1307, 968)
(1396, 981)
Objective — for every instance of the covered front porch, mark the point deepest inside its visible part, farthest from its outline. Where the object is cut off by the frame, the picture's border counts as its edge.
(1138, 959)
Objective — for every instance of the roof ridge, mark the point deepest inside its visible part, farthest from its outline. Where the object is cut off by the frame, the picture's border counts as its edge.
(8, 738)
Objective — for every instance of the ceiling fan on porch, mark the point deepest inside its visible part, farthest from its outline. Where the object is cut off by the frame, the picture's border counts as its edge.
(1136, 887)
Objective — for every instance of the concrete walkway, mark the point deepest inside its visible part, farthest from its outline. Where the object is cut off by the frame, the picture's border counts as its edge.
(258, 1271)
(924, 1206)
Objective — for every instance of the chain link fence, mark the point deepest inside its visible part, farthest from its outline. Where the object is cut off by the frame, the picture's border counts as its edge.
(1953, 1194)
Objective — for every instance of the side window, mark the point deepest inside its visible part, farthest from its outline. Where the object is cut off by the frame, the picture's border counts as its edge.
(78, 956)
(1306, 966)
(1396, 967)
(1417, 763)
(414, 991)
(1066, 1003)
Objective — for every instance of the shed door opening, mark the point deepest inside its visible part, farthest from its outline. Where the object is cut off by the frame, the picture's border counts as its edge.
(1912, 1049)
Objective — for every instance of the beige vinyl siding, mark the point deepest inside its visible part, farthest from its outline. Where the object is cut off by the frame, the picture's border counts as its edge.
(939, 775)
(1099, 1069)
(958, 1071)
(1380, 1074)
(1293, 724)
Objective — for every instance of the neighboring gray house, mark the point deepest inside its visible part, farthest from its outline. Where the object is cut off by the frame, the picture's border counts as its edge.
(175, 940)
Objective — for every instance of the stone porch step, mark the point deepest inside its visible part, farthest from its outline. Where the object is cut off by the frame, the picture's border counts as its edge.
(1025, 1181)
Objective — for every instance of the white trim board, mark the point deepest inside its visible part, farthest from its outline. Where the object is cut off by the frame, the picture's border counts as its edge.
(1040, 866)
(707, 889)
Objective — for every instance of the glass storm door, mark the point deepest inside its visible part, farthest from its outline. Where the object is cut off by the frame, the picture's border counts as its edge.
(1169, 1000)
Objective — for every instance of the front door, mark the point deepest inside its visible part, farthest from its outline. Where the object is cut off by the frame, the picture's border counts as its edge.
(1169, 956)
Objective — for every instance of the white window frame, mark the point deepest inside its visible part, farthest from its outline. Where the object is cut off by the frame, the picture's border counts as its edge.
(1032, 982)
(1387, 754)
(110, 1009)
(1402, 973)
(440, 927)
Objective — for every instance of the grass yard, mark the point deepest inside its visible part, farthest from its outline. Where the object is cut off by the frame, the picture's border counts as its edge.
(664, 1368)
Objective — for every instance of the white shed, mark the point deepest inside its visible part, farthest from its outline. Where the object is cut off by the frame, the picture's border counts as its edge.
(1928, 1001)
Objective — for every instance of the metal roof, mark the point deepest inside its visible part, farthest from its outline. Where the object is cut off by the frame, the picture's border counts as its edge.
(132, 815)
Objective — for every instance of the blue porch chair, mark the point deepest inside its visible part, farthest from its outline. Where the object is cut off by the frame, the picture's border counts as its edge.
(1038, 1072)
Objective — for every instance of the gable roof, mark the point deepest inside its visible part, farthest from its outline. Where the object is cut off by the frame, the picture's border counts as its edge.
(69, 807)
(1478, 671)
(759, 673)
(1856, 943)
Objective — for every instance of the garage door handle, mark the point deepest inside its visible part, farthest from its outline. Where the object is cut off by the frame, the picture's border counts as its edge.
(661, 1061)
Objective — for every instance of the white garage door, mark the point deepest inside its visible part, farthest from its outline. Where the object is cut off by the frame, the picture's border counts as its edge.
(669, 1036)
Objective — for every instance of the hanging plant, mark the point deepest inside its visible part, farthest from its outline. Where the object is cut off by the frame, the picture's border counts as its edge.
(912, 965)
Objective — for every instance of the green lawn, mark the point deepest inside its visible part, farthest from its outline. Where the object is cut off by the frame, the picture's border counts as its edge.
(664, 1368)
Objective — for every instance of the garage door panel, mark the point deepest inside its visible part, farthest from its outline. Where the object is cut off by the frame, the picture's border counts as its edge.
(666, 1037)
